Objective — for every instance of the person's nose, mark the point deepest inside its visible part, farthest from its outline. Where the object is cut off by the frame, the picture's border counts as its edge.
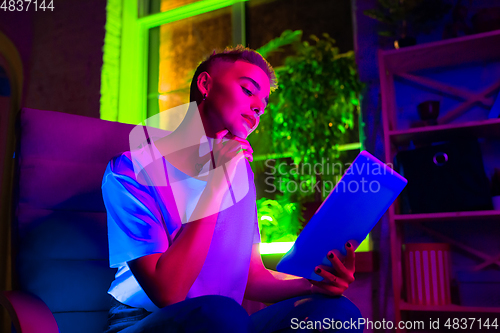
(258, 106)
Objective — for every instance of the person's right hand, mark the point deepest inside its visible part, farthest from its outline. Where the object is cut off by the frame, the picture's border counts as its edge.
(228, 151)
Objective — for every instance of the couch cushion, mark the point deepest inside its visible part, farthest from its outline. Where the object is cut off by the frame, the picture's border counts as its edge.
(61, 185)
(60, 219)
(63, 258)
(81, 322)
(70, 235)
(62, 158)
(68, 285)
(61, 136)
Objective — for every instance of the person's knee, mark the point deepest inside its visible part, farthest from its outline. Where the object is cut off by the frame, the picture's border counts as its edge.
(339, 304)
(224, 314)
(349, 314)
(351, 310)
(339, 312)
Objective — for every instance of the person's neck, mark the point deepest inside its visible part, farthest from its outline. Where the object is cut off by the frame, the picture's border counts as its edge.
(181, 148)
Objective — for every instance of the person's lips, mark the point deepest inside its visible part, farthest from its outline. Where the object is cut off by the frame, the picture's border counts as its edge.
(251, 120)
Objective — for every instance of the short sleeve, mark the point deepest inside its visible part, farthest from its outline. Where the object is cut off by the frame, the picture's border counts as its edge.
(135, 224)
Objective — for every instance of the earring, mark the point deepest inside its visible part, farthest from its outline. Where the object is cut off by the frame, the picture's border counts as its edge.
(204, 96)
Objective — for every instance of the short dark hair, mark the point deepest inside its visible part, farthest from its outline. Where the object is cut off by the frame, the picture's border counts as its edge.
(232, 54)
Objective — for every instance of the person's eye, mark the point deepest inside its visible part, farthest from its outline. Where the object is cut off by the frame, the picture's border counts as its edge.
(248, 92)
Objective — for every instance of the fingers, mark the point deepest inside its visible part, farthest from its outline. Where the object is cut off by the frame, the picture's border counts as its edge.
(245, 145)
(346, 271)
(241, 146)
(336, 279)
(227, 143)
(350, 259)
(328, 276)
(248, 151)
(221, 134)
(230, 138)
(327, 287)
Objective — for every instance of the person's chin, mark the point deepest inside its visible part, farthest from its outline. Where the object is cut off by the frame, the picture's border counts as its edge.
(242, 132)
(242, 135)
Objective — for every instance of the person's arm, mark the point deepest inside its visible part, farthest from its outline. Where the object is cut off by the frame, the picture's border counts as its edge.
(269, 286)
(167, 277)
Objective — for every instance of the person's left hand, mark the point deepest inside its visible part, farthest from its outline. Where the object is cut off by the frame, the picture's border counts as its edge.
(337, 278)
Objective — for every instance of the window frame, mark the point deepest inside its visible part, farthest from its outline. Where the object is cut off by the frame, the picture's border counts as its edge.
(132, 80)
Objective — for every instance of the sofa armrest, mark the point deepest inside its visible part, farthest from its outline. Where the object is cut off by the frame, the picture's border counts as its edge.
(28, 313)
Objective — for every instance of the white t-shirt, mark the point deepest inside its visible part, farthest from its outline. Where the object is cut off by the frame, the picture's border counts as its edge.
(139, 224)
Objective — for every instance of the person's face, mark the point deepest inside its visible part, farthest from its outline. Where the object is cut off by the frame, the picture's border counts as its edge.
(236, 98)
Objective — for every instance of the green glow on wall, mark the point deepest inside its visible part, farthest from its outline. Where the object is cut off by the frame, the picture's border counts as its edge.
(110, 73)
(365, 245)
(283, 247)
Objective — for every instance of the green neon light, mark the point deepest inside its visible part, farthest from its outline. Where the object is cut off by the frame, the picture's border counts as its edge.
(347, 146)
(130, 109)
(197, 8)
(350, 146)
(275, 248)
(283, 247)
(110, 73)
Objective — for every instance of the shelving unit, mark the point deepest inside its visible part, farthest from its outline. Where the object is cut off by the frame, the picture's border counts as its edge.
(447, 308)
(425, 135)
(480, 215)
(408, 64)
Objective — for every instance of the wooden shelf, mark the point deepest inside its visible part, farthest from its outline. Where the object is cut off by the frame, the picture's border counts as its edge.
(447, 308)
(489, 215)
(450, 52)
(489, 128)
(417, 64)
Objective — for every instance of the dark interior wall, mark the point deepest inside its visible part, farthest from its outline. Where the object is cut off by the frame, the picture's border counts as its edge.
(61, 52)
(18, 27)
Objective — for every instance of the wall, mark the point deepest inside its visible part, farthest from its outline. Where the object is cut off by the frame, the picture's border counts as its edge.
(61, 52)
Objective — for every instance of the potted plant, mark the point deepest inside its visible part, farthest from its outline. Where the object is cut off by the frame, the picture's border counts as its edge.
(311, 114)
(279, 221)
(402, 20)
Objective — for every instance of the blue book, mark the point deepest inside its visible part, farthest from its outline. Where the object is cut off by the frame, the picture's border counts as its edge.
(358, 201)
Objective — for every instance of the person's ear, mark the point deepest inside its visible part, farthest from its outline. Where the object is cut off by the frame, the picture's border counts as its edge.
(204, 83)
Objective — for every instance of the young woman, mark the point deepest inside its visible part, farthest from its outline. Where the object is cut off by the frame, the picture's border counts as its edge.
(184, 234)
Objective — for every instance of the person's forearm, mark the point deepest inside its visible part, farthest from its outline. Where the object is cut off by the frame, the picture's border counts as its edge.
(180, 265)
(167, 277)
(270, 286)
